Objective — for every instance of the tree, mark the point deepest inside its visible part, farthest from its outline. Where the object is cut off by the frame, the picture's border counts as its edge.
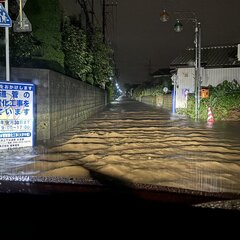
(61, 45)
(23, 47)
(46, 19)
(78, 57)
(102, 67)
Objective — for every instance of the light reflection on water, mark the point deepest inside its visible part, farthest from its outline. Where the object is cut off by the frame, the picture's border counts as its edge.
(12, 159)
(139, 144)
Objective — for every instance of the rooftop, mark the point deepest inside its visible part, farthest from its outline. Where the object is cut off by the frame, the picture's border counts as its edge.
(214, 56)
(161, 72)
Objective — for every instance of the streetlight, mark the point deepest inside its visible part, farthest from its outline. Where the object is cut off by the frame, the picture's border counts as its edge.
(178, 27)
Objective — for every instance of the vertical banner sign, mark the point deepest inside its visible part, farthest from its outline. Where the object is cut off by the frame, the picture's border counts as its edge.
(16, 115)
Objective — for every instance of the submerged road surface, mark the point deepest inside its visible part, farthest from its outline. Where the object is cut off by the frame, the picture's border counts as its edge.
(134, 142)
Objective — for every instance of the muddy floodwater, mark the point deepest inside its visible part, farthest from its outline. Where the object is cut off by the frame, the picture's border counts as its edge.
(134, 142)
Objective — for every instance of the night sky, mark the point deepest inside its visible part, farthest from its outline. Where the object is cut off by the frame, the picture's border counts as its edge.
(143, 43)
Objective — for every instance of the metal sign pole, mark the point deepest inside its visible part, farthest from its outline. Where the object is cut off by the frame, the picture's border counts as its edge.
(7, 47)
(20, 13)
(22, 24)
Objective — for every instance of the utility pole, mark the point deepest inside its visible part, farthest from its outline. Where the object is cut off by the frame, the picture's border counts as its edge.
(104, 6)
(103, 19)
(92, 12)
(178, 27)
(197, 68)
(83, 5)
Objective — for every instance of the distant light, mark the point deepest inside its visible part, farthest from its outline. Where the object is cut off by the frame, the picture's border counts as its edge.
(164, 16)
(118, 88)
(178, 27)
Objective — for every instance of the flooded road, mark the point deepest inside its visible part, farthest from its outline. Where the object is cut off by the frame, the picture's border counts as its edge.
(134, 142)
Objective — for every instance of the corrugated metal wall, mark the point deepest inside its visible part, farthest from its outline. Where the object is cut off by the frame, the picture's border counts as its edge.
(212, 77)
(218, 75)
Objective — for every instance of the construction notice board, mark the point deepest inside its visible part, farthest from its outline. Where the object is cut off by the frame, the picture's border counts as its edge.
(16, 115)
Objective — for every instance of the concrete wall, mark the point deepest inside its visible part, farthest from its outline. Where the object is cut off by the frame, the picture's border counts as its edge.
(61, 102)
(164, 101)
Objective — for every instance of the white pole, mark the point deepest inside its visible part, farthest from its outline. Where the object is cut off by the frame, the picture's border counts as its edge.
(196, 69)
(7, 47)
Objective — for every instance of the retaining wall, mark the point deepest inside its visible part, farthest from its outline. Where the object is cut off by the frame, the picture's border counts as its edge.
(61, 101)
(164, 101)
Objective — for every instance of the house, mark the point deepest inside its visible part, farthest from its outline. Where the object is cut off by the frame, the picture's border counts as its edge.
(161, 74)
(218, 63)
(162, 77)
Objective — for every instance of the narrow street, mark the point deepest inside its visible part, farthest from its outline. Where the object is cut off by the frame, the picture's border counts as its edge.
(134, 142)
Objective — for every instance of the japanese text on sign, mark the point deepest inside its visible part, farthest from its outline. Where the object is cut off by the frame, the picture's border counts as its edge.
(16, 115)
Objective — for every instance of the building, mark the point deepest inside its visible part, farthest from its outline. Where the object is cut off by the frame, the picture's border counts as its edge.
(162, 77)
(218, 63)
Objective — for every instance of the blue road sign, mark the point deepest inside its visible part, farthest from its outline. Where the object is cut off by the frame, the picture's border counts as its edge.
(5, 20)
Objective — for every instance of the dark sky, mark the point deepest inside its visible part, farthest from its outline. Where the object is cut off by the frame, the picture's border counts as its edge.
(141, 38)
(143, 43)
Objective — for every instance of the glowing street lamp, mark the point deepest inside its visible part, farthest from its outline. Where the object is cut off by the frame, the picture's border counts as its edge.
(178, 27)
(164, 16)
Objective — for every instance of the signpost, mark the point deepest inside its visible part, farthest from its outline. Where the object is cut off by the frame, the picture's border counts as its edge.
(16, 99)
(22, 23)
(16, 115)
(5, 20)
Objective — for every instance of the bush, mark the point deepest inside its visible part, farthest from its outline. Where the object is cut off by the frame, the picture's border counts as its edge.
(223, 99)
(149, 89)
